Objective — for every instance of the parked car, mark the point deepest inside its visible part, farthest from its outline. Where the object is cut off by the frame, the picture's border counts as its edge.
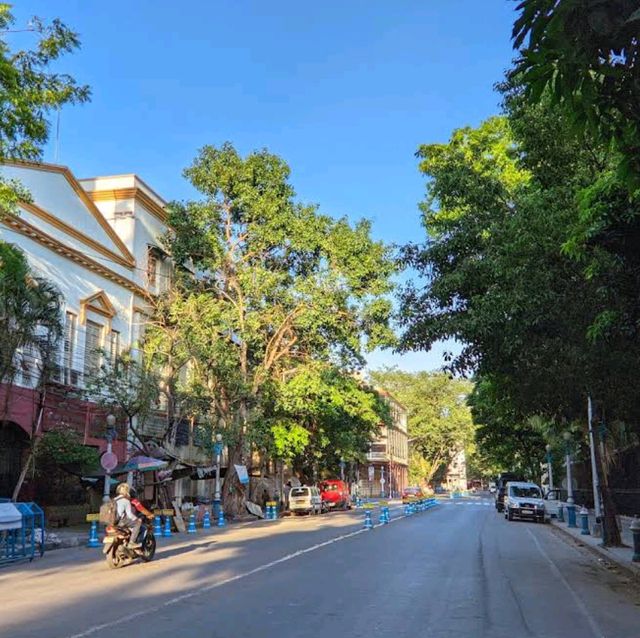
(502, 481)
(523, 500)
(409, 493)
(492, 487)
(335, 494)
(305, 500)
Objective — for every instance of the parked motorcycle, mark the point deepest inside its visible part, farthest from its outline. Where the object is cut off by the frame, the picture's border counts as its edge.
(117, 554)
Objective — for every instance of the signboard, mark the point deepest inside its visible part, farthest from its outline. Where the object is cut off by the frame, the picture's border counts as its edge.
(372, 471)
(243, 475)
(109, 461)
(92, 517)
(217, 448)
(382, 481)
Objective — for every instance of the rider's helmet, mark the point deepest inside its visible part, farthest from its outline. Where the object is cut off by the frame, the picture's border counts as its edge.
(123, 489)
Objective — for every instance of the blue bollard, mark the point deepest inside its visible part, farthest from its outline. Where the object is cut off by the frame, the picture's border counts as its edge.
(407, 509)
(157, 526)
(368, 523)
(584, 521)
(387, 516)
(167, 527)
(206, 519)
(560, 513)
(221, 521)
(571, 515)
(94, 541)
(192, 524)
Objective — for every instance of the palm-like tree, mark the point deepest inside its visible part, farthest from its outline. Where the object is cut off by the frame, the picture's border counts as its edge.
(30, 315)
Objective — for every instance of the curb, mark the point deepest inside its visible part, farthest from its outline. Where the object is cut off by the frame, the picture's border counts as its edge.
(630, 569)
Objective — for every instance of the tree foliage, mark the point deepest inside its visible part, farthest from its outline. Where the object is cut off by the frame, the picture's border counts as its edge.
(584, 54)
(268, 284)
(30, 91)
(30, 316)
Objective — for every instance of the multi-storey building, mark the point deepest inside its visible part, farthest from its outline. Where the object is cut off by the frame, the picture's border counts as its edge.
(99, 240)
(386, 473)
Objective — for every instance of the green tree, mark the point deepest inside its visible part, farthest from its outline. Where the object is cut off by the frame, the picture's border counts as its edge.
(322, 416)
(439, 421)
(30, 91)
(130, 390)
(584, 54)
(268, 284)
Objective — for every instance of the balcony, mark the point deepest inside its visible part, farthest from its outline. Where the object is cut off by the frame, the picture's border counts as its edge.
(377, 456)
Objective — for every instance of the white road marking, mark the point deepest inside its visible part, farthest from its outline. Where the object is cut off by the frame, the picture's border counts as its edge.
(226, 581)
(595, 628)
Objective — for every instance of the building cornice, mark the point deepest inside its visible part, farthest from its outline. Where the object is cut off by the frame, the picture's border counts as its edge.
(76, 234)
(135, 193)
(82, 194)
(28, 230)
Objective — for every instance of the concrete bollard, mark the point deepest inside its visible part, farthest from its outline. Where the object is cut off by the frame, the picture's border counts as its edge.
(221, 521)
(635, 530)
(192, 524)
(157, 526)
(584, 521)
(167, 527)
(206, 519)
(94, 541)
(368, 523)
(560, 513)
(571, 515)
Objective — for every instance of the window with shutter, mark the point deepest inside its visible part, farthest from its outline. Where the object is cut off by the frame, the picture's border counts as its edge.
(68, 346)
(114, 346)
(93, 343)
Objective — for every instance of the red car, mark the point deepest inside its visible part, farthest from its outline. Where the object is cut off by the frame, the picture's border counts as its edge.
(411, 493)
(335, 494)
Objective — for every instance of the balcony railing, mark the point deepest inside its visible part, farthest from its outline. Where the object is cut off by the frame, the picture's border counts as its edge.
(377, 456)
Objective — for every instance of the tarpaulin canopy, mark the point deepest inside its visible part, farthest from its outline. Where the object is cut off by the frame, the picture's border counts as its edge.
(141, 464)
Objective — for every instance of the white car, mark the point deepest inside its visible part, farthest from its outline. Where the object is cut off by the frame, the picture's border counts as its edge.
(305, 500)
(523, 500)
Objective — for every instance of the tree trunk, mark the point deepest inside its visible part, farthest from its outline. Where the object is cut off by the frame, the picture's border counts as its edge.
(35, 441)
(610, 531)
(234, 493)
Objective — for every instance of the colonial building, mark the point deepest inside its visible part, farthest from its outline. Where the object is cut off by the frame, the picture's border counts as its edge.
(99, 240)
(386, 473)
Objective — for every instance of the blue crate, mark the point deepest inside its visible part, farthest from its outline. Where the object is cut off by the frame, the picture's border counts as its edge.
(23, 544)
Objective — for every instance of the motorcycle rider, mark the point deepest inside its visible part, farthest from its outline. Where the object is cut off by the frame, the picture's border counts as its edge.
(126, 516)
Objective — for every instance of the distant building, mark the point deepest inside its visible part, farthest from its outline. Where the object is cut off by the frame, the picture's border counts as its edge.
(387, 470)
(456, 477)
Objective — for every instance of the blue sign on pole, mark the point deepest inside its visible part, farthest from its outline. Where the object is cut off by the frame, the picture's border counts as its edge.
(217, 448)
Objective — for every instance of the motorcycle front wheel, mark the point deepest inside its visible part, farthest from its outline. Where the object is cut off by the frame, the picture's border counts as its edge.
(114, 559)
(148, 548)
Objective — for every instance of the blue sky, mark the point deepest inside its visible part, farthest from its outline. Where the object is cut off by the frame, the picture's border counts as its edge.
(345, 91)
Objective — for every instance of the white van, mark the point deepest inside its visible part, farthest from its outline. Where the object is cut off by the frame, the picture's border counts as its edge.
(305, 500)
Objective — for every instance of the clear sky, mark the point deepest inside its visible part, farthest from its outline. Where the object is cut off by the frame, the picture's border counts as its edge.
(344, 90)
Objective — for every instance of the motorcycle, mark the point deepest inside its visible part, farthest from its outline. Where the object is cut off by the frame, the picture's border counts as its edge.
(117, 554)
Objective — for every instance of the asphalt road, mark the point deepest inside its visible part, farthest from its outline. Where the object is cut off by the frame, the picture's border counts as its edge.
(459, 570)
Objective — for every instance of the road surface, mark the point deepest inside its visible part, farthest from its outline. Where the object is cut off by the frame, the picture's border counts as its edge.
(459, 570)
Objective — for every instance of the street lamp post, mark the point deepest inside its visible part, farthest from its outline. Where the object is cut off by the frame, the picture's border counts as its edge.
(111, 434)
(571, 508)
(549, 466)
(217, 448)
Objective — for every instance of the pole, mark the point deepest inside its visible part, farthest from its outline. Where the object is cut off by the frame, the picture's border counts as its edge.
(106, 494)
(550, 469)
(216, 495)
(569, 477)
(594, 468)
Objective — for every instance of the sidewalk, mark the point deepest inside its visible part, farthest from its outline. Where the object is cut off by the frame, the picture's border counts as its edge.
(618, 556)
